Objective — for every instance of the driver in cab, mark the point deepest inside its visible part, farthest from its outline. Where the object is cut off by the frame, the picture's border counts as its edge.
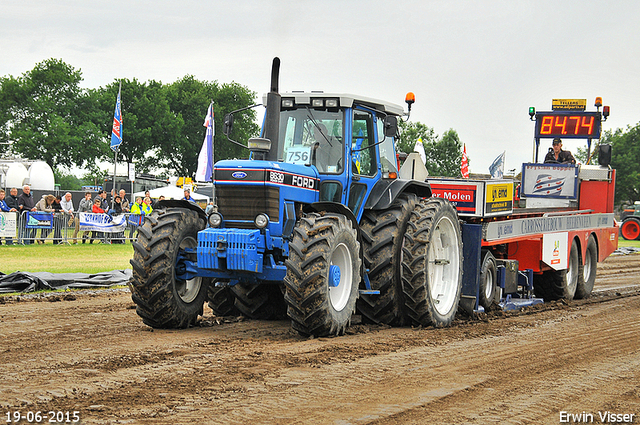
(558, 156)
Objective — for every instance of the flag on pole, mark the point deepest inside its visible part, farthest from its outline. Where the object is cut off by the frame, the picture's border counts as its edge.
(497, 167)
(116, 131)
(464, 166)
(205, 158)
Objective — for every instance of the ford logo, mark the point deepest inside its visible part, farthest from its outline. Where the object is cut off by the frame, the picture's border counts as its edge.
(239, 175)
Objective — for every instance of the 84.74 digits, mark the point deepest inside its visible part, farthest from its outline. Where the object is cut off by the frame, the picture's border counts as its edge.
(51, 417)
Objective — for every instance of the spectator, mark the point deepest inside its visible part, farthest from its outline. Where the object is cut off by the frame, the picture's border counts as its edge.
(187, 196)
(26, 204)
(136, 217)
(124, 201)
(117, 210)
(147, 209)
(6, 208)
(12, 199)
(103, 202)
(209, 208)
(58, 219)
(67, 208)
(45, 205)
(85, 206)
(97, 209)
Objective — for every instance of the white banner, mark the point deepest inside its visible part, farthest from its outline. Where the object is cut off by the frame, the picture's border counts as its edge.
(103, 222)
(8, 224)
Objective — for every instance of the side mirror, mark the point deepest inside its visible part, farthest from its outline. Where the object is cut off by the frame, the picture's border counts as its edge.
(390, 126)
(227, 125)
(604, 155)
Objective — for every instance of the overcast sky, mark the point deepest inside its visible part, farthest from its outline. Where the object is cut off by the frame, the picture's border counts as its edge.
(474, 66)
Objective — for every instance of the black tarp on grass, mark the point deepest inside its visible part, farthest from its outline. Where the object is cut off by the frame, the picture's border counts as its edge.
(30, 282)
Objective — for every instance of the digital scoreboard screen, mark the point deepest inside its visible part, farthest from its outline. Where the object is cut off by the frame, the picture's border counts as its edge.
(584, 125)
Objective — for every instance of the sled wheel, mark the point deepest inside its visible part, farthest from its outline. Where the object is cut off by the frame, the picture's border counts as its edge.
(323, 274)
(587, 278)
(167, 237)
(488, 284)
(560, 284)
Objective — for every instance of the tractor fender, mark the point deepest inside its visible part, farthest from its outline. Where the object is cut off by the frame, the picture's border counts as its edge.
(181, 203)
(385, 192)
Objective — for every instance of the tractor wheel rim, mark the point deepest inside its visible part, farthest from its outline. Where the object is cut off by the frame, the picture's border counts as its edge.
(339, 295)
(188, 290)
(444, 266)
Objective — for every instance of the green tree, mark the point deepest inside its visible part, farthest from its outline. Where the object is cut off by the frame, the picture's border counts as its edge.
(625, 157)
(46, 115)
(443, 154)
(411, 132)
(189, 99)
(147, 122)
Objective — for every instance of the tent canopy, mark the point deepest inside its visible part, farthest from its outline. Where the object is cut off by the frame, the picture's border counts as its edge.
(171, 192)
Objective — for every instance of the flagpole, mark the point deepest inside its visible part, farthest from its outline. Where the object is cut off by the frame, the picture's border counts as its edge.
(213, 183)
(115, 153)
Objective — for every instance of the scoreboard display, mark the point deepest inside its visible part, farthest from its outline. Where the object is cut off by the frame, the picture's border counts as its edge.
(568, 124)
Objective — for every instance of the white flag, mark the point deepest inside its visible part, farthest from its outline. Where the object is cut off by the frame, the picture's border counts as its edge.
(419, 147)
(497, 167)
(205, 158)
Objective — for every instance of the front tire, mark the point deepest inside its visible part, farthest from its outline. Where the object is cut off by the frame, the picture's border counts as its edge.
(323, 274)
(162, 300)
(433, 245)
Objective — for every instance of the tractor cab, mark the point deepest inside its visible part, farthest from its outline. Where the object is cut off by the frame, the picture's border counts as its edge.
(348, 140)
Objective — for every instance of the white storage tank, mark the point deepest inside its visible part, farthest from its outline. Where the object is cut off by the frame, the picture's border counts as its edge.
(16, 175)
(41, 176)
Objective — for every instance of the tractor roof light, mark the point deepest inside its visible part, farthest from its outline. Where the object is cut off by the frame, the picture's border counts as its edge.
(287, 103)
(410, 99)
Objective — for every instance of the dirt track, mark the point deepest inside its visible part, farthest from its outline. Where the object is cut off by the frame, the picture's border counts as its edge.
(92, 354)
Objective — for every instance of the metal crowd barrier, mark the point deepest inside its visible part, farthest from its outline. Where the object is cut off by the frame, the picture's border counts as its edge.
(62, 228)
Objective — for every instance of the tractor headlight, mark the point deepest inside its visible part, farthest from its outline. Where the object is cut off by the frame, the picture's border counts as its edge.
(261, 221)
(215, 219)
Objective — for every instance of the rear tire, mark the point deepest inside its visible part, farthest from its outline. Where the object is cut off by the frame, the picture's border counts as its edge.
(433, 257)
(630, 229)
(324, 247)
(221, 300)
(259, 301)
(383, 240)
(488, 285)
(587, 278)
(162, 300)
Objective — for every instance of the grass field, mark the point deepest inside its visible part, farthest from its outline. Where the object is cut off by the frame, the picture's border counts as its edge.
(87, 258)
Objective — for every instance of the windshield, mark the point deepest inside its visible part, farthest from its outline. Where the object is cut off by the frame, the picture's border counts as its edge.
(312, 137)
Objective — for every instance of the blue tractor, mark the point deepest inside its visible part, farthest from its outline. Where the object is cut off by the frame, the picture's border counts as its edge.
(317, 224)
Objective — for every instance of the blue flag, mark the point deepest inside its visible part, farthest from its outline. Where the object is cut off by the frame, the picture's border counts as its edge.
(204, 172)
(116, 131)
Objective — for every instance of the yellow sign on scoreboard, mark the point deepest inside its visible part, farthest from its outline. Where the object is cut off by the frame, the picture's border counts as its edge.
(498, 197)
(569, 104)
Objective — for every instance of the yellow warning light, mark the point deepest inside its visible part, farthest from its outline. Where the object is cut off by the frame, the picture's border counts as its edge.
(598, 102)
